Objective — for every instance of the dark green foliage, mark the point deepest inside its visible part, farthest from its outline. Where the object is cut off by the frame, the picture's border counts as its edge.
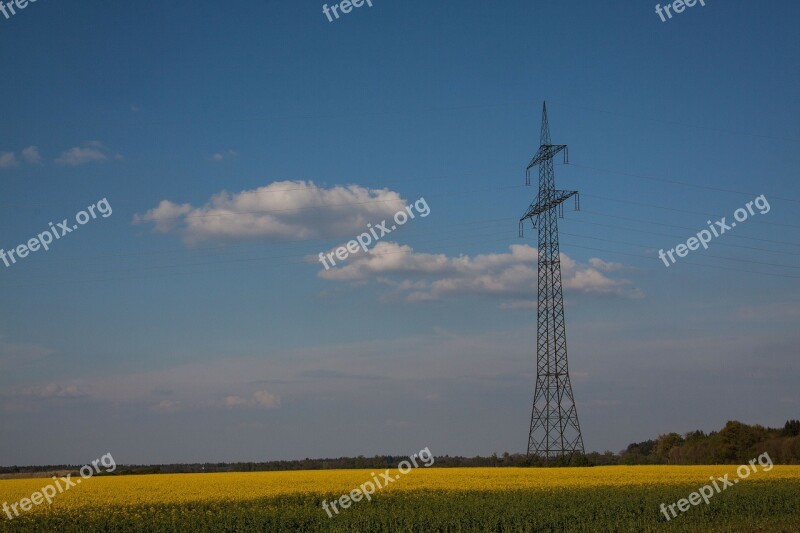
(791, 429)
(736, 443)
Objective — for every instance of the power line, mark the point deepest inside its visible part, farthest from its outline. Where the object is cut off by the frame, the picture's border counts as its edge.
(704, 254)
(686, 228)
(683, 237)
(682, 124)
(691, 263)
(679, 210)
(676, 182)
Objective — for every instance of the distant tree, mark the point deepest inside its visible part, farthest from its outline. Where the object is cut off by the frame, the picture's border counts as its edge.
(580, 460)
(639, 453)
(791, 429)
(695, 436)
(602, 459)
(736, 442)
(664, 445)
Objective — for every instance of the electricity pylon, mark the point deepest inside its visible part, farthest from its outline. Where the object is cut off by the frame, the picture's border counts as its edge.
(554, 431)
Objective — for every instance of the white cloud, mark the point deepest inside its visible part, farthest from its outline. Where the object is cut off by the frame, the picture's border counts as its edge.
(31, 155)
(281, 210)
(166, 217)
(262, 399)
(605, 266)
(91, 151)
(235, 401)
(8, 160)
(420, 276)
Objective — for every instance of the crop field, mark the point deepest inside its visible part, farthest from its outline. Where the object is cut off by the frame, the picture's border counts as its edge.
(618, 498)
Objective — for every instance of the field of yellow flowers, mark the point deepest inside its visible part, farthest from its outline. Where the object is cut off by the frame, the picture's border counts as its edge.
(618, 498)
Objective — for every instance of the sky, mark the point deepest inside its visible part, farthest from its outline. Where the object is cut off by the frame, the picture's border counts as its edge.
(223, 147)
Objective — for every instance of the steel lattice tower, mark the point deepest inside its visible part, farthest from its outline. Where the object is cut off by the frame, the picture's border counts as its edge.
(554, 431)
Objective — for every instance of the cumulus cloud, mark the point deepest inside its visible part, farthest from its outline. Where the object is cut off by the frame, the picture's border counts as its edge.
(166, 216)
(278, 211)
(8, 160)
(421, 276)
(605, 266)
(261, 399)
(92, 151)
(31, 155)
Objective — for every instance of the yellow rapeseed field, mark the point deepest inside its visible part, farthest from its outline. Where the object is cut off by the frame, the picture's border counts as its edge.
(118, 491)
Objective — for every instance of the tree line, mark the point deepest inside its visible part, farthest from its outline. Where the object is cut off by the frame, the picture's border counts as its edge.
(736, 443)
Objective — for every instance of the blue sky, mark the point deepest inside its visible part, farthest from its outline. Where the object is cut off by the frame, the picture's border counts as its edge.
(236, 142)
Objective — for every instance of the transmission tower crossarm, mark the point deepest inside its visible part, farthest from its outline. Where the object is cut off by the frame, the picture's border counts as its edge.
(540, 206)
(545, 153)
